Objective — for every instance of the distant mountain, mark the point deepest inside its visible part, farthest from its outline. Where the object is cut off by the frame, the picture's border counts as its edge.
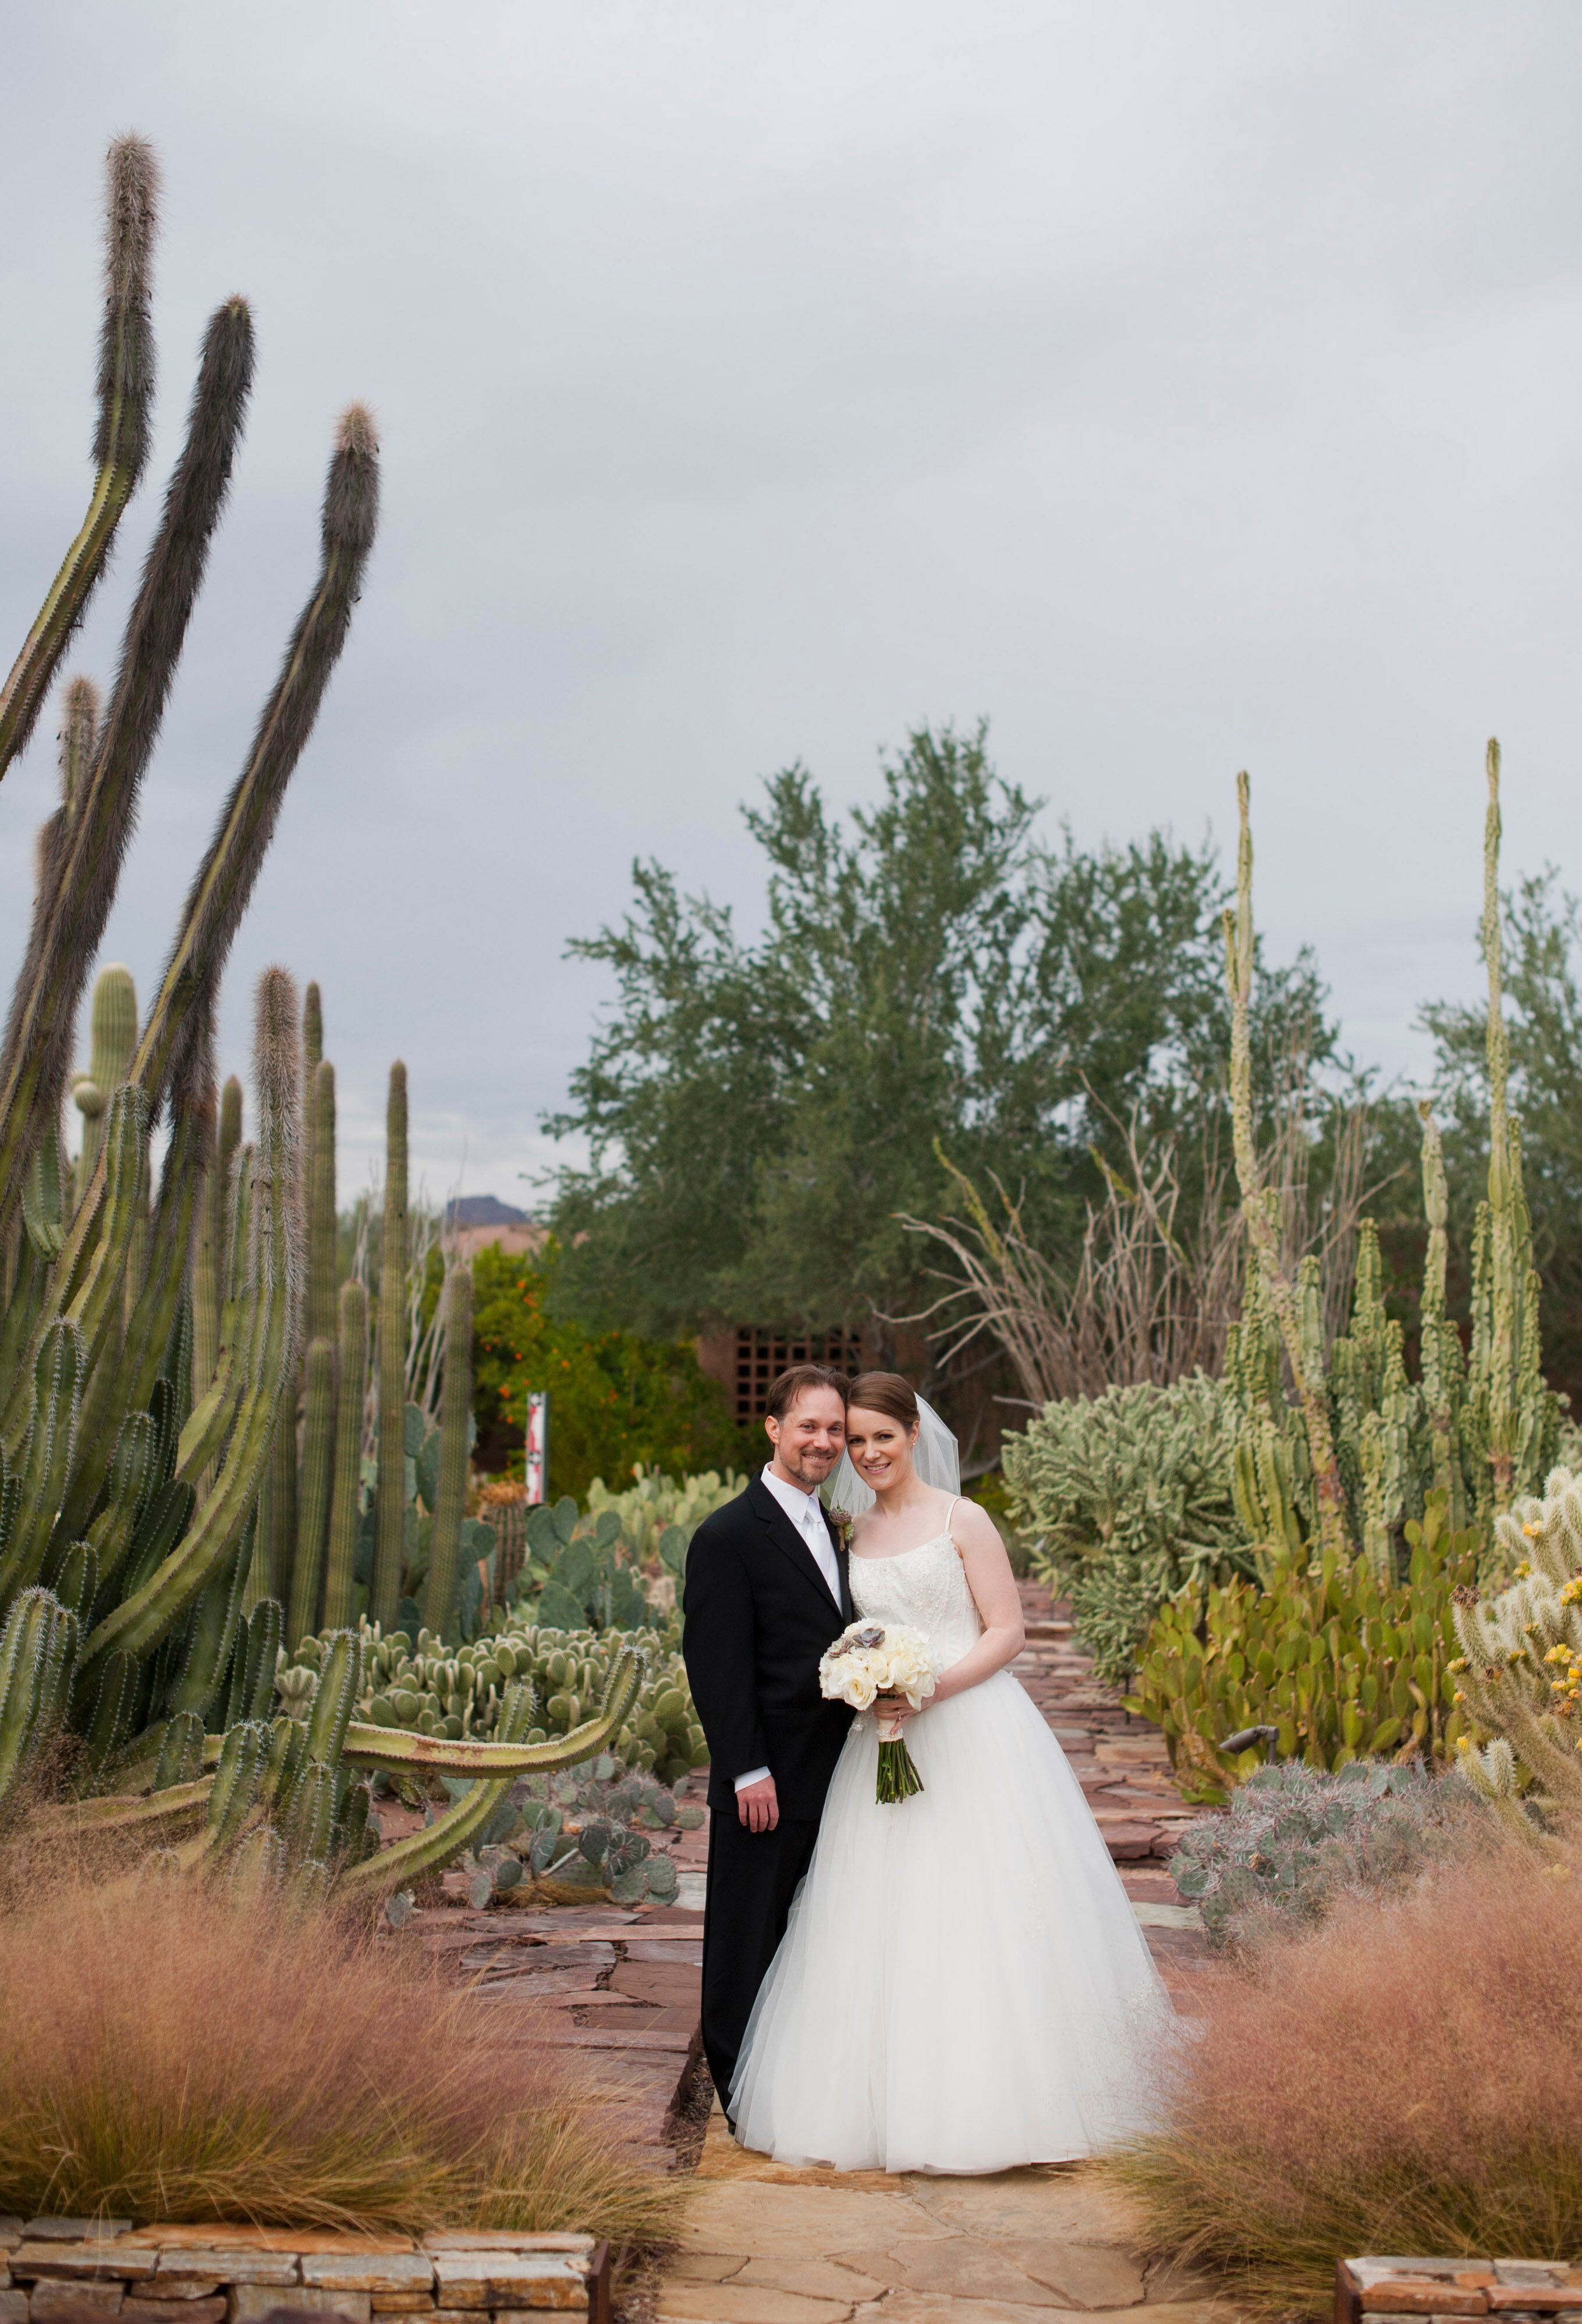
(484, 1211)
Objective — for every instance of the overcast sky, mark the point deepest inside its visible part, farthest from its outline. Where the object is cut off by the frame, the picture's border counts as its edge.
(1182, 386)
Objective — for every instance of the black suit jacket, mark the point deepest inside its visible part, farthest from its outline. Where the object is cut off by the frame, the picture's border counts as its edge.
(758, 1616)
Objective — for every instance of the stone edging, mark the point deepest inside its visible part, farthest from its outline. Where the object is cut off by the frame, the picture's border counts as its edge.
(61, 2270)
(1367, 2289)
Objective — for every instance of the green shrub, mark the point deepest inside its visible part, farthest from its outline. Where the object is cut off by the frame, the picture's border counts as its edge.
(1125, 1499)
(1295, 1840)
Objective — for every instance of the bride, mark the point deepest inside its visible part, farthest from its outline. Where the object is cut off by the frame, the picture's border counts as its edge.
(962, 1986)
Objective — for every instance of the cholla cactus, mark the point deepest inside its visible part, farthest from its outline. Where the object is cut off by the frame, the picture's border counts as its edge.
(1520, 1668)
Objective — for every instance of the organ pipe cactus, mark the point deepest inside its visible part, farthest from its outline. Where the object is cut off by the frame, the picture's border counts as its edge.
(78, 879)
(114, 1038)
(320, 1195)
(127, 1483)
(318, 1476)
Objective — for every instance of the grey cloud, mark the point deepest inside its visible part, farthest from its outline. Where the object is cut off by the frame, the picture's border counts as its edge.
(1186, 388)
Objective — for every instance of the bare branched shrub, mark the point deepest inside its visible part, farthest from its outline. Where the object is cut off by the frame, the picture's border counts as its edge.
(1142, 1303)
(1152, 1290)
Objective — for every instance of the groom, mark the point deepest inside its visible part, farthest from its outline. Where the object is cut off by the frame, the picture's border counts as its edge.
(766, 1593)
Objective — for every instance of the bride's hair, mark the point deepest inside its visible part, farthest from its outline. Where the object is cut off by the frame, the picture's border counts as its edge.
(885, 1392)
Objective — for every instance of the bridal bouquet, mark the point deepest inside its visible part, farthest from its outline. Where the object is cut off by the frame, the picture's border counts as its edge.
(866, 1661)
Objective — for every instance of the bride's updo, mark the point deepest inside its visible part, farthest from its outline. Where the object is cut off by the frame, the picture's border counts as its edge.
(885, 1392)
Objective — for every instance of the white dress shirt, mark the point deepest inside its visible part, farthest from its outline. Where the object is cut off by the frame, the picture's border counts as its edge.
(806, 1512)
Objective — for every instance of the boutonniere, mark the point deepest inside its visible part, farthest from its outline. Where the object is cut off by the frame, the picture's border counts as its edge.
(840, 1520)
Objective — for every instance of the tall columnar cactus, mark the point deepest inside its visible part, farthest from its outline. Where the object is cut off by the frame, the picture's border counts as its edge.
(345, 1513)
(114, 1022)
(1257, 1210)
(1511, 1423)
(454, 1433)
(1444, 1366)
(73, 902)
(317, 1474)
(1472, 1430)
(150, 1332)
(209, 1255)
(390, 1539)
(121, 441)
(321, 1194)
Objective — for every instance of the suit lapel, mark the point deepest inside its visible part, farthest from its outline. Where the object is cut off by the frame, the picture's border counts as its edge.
(789, 1541)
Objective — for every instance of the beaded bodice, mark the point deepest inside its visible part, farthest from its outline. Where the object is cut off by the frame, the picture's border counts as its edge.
(925, 1588)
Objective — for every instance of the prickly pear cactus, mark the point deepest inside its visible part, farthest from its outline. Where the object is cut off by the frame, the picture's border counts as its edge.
(588, 1836)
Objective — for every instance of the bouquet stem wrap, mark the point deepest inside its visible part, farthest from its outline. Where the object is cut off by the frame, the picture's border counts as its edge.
(867, 1661)
(898, 1775)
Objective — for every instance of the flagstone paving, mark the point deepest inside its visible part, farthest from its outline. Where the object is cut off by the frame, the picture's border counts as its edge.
(764, 2244)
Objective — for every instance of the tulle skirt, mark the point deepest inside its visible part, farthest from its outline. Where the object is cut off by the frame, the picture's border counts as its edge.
(962, 1986)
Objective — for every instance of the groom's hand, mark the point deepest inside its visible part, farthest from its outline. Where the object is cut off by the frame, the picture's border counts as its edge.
(757, 1806)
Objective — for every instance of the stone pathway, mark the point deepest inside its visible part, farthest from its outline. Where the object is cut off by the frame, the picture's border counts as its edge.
(763, 2245)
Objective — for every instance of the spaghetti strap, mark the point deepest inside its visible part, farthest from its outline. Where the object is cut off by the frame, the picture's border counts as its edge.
(950, 1512)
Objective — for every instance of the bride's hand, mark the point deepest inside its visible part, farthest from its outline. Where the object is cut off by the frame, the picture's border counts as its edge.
(894, 1706)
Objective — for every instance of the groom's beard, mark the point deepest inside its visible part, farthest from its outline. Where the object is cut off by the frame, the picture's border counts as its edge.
(810, 1469)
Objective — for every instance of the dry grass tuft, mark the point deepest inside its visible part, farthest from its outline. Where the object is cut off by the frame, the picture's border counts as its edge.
(169, 2054)
(1408, 2078)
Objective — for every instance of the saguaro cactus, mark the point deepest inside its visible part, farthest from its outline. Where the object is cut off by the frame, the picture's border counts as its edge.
(390, 1540)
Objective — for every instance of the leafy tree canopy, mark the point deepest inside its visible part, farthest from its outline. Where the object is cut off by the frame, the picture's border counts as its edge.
(931, 972)
(614, 1399)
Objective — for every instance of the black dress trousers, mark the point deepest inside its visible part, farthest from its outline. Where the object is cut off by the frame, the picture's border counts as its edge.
(753, 1877)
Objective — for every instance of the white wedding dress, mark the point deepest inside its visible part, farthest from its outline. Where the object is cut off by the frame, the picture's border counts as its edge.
(962, 1986)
